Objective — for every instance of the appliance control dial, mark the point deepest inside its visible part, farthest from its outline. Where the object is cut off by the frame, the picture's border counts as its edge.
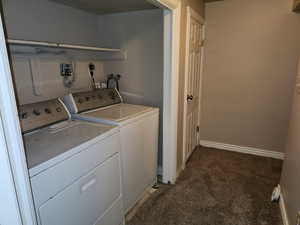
(47, 110)
(24, 115)
(36, 112)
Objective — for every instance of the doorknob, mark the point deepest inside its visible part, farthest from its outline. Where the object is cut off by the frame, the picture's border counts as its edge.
(190, 97)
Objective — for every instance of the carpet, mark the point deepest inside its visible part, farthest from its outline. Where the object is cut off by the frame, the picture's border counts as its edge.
(216, 188)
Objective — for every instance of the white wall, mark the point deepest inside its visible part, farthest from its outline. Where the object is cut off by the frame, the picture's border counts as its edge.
(38, 78)
(49, 21)
(251, 54)
(44, 20)
(141, 35)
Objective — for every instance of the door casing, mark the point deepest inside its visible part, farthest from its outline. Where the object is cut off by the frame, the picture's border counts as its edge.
(9, 212)
(194, 14)
(13, 137)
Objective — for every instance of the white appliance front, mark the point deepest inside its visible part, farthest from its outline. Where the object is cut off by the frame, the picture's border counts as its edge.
(139, 148)
(139, 139)
(74, 167)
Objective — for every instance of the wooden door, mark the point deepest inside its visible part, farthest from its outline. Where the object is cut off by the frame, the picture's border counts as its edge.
(192, 82)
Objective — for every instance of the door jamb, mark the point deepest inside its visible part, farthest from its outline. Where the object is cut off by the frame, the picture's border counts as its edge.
(13, 136)
(190, 13)
(172, 17)
(10, 212)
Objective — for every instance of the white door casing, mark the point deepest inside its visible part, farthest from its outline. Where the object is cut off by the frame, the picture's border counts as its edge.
(172, 17)
(9, 208)
(13, 137)
(193, 79)
(171, 81)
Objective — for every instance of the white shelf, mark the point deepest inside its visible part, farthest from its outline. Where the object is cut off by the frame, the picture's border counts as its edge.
(60, 45)
(32, 48)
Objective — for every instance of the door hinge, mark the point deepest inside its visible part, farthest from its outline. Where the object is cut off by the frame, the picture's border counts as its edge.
(198, 129)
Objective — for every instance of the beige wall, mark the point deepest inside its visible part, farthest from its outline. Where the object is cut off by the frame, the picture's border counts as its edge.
(198, 6)
(250, 67)
(290, 181)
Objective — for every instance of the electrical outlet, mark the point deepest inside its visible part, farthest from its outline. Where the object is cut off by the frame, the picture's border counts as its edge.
(66, 69)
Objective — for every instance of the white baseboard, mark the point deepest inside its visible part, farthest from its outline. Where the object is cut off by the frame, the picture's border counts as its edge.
(242, 149)
(282, 206)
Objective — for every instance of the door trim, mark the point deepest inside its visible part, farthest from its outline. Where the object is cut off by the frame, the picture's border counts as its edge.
(13, 137)
(172, 18)
(10, 212)
(171, 81)
(191, 13)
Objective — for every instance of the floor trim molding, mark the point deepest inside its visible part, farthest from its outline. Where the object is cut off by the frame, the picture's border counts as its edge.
(282, 206)
(242, 149)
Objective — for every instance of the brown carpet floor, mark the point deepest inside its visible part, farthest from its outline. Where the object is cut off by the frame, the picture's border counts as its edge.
(217, 188)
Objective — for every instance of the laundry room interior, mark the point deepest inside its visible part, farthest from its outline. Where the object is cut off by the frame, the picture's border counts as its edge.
(138, 58)
(155, 112)
(57, 51)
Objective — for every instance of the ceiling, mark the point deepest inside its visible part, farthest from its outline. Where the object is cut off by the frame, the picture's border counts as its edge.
(107, 6)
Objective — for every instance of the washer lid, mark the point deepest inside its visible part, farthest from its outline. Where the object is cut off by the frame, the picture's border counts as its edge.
(50, 142)
(119, 112)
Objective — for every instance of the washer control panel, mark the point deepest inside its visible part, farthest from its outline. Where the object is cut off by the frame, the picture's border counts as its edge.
(95, 99)
(41, 114)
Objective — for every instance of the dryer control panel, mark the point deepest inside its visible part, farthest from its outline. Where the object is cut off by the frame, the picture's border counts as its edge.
(95, 99)
(41, 114)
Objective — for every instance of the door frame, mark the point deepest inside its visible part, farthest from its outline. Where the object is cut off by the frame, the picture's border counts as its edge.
(172, 18)
(190, 13)
(10, 212)
(13, 137)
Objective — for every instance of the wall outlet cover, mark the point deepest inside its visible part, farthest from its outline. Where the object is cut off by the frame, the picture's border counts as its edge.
(276, 194)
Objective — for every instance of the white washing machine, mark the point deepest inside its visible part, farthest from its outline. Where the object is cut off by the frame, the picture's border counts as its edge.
(138, 131)
(74, 167)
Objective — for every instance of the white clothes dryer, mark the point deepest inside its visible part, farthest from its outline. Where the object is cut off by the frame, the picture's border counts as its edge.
(138, 131)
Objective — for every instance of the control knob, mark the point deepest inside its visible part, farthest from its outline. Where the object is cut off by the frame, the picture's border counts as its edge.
(80, 101)
(24, 115)
(47, 110)
(36, 112)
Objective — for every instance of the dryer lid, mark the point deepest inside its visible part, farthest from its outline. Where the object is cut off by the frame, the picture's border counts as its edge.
(119, 112)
